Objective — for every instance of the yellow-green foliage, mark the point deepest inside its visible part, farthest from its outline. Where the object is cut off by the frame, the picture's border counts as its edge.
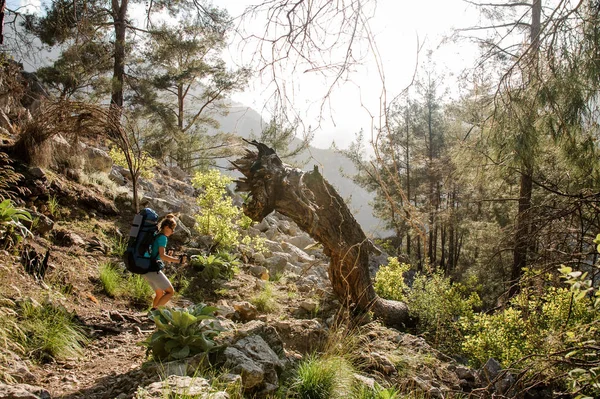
(437, 303)
(144, 161)
(389, 280)
(218, 217)
(534, 323)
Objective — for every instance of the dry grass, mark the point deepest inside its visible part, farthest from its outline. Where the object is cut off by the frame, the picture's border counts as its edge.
(73, 121)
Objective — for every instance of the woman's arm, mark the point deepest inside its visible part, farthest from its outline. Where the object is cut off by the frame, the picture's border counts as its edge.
(165, 257)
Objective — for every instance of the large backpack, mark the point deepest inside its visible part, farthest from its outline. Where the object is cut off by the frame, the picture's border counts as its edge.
(141, 237)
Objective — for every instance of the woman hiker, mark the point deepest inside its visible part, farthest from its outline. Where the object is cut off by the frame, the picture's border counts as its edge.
(155, 277)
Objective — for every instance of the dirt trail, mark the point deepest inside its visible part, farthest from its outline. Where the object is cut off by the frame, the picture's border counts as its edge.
(111, 364)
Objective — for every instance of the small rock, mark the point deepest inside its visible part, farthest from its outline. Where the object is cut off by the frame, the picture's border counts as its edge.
(309, 305)
(246, 310)
(260, 272)
(37, 173)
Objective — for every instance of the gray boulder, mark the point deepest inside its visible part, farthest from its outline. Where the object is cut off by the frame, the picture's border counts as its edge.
(239, 363)
(22, 391)
(97, 160)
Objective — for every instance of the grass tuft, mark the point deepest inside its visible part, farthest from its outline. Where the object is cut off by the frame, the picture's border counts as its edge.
(323, 378)
(111, 279)
(265, 301)
(132, 286)
(47, 332)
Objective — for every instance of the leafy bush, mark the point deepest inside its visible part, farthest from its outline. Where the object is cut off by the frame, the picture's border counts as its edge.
(183, 332)
(144, 162)
(218, 216)
(220, 265)
(389, 280)
(11, 226)
(438, 305)
(558, 325)
(534, 323)
(48, 332)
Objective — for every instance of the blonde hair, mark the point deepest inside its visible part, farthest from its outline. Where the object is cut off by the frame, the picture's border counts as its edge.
(168, 221)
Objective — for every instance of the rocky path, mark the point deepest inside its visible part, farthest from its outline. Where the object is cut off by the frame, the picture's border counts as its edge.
(111, 366)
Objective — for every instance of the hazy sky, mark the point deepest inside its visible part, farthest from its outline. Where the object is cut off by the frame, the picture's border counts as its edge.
(398, 26)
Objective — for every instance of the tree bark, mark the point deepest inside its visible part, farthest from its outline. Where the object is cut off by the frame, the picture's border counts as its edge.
(119, 12)
(310, 201)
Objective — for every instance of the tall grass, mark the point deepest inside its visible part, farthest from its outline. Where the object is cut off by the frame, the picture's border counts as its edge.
(118, 285)
(119, 246)
(48, 332)
(111, 279)
(323, 378)
(9, 329)
(138, 290)
(53, 205)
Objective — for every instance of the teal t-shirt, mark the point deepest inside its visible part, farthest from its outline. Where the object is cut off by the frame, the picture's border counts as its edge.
(159, 241)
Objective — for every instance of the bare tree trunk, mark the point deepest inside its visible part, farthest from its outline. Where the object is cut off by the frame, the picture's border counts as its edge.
(119, 14)
(310, 201)
(523, 225)
(522, 232)
(2, 11)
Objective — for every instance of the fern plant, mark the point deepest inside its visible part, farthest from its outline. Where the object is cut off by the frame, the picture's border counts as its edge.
(183, 332)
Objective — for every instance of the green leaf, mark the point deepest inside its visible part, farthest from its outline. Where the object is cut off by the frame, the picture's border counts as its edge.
(171, 344)
(182, 353)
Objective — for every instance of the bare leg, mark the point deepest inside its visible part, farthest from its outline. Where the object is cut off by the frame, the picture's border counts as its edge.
(157, 297)
(167, 294)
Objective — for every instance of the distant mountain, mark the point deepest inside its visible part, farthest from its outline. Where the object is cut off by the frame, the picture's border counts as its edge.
(245, 121)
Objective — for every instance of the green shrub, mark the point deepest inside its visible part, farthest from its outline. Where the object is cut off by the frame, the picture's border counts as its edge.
(143, 161)
(48, 332)
(183, 332)
(218, 216)
(389, 280)
(438, 305)
(323, 378)
(361, 391)
(534, 323)
(265, 301)
(220, 265)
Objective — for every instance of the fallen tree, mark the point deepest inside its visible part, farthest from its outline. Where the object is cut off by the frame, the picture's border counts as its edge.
(316, 207)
